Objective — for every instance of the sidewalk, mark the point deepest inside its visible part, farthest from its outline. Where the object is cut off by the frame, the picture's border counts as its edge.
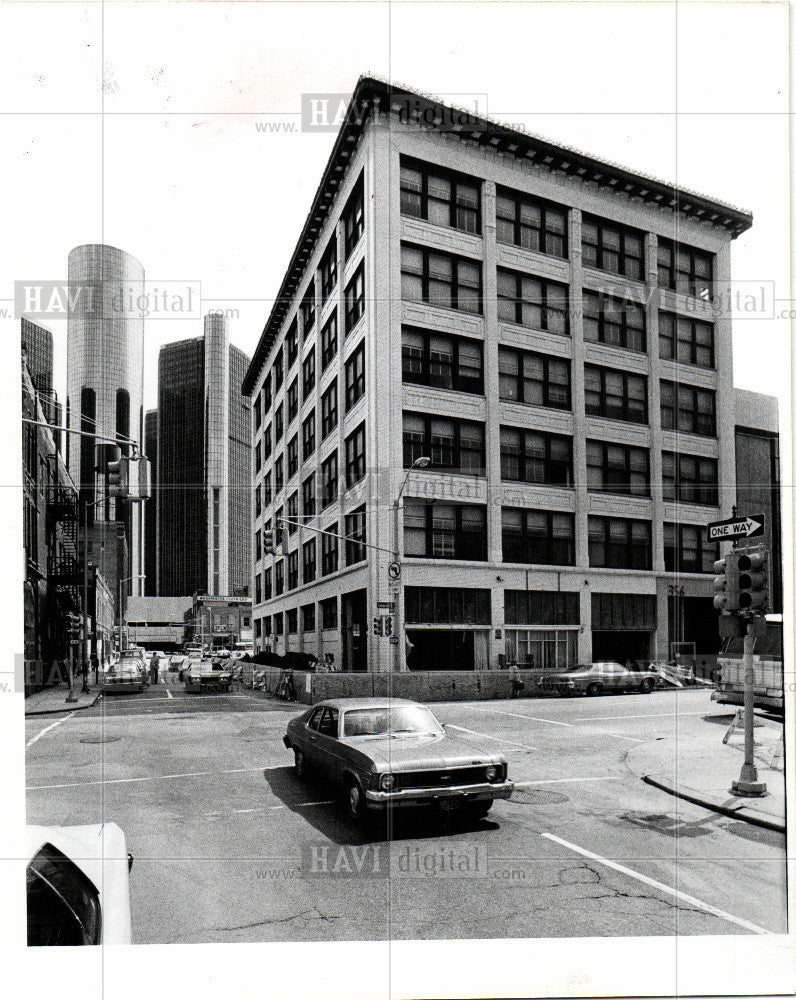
(701, 768)
(53, 699)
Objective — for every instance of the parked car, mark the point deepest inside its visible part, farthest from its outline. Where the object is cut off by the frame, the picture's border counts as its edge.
(387, 753)
(78, 885)
(186, 665)
(127, 674)
(207, 675)
(594, 678)
(175, 662)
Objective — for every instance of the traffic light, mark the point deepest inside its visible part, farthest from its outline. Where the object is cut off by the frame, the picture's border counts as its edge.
(753, 580)
(119, 478)
(725, 585)
(73, 625)
(268, 543)
(378, 625)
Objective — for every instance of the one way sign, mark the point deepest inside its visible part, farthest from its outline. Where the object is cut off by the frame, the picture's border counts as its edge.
(736, 527)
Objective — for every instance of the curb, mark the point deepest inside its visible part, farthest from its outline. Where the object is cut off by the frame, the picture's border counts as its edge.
(66, 708)
(754, 817)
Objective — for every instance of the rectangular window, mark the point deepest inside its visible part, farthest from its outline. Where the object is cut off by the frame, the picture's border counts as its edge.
(329, 269)
(617, 468)
(329, 551)
(267, 393)
(267, 584)
(689, 341)
(690, 479)
(355, 456)
(258, 411)
(355, 377)
(278, 619)
(267, 446)
(258, 545)
(329, 410)
(538, 379)
(258, 500)
(442, 361)
(532, 302)
(292, 513)
(448, 605)
(308, 617)
(308, 496)
(279, 421)
(354, 217)
(308, 561)
(444, 531)
(277, 371)
(329, 341)
(308, 373)
(451, 444)
(355, 299)
(615, 394)
(258, 456)
(440, 196)
(291, 619)
(688, 408)
(355, 536)
(615, 322)
(535, 457)
(329, 480)
(329, 613)
(292, 570)
(611, 247)
(291, 342)
(307, 309)
(440, 279)
(292, 456)
(531, 223)
(267, 490)
(279, 473)
(620, 543)
(686, 549)
(308, 435)
(279, 577)
(258, 589)
(292, 400)
(685, 269)
(538, 536)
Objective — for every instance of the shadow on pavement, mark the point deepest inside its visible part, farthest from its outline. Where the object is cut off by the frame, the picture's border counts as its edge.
(322, 806)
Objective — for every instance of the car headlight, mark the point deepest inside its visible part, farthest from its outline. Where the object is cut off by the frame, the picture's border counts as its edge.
(491, 773)
(387, 782)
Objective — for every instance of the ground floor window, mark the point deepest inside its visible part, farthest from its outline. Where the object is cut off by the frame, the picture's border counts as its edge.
(550, 649)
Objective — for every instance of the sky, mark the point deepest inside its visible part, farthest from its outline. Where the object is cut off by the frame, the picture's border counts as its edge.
(135, 124)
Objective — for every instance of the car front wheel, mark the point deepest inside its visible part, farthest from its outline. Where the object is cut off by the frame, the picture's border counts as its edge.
(356, 806)
(646, 685)
(300, 763)
(593, 689)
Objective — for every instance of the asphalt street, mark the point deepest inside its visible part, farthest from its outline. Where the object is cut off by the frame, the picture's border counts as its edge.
(230, 846)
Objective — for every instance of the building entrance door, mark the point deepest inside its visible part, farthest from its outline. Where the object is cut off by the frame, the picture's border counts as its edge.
(355, 631)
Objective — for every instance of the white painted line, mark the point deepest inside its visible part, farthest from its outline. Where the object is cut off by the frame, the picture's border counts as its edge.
(497, 739)
(153, 777)
(323, 802)
(616, 736)
(660, 886)
(556, 781)
(654, 715)
(46, 729)
(169, 695)
(517, 715)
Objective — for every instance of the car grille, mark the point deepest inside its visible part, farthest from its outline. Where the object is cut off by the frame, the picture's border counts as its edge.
(441, 778)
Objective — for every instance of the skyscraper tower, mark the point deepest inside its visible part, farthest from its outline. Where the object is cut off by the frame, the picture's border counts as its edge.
(203, 473)
(105, 389)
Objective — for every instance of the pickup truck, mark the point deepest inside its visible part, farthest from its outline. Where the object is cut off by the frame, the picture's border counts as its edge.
(207, 675)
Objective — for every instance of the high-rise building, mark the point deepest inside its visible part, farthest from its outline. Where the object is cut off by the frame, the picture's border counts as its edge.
(502, 363)
(150, 508)
(37, 349)
(105, 389)
(204, 491)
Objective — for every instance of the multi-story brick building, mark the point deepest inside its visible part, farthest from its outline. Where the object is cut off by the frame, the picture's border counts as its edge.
(504, 365)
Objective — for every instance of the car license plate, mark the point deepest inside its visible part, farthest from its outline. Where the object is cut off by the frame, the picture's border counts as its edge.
(452, 802)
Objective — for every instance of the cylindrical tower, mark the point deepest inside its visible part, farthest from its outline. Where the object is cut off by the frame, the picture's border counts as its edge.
(217, 453)
(105, 387)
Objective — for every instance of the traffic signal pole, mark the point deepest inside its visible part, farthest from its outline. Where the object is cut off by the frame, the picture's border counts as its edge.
(748, 783)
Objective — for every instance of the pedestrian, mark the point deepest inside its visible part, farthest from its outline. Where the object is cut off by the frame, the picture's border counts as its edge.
(95, 667)
(84, 672)
(516, 682)
(153, 668)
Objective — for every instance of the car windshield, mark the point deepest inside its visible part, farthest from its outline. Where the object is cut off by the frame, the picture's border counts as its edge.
(578, 667)
(400, 720)
(128, 664)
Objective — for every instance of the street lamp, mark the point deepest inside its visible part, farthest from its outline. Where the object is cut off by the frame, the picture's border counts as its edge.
(422, 462)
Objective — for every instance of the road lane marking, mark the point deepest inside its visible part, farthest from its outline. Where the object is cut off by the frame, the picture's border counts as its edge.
(151, 777)
(660, 886)
(169, 695)
(46, 729)
(518, 715)
(497, 739)
(555, 781)
(654, 715)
